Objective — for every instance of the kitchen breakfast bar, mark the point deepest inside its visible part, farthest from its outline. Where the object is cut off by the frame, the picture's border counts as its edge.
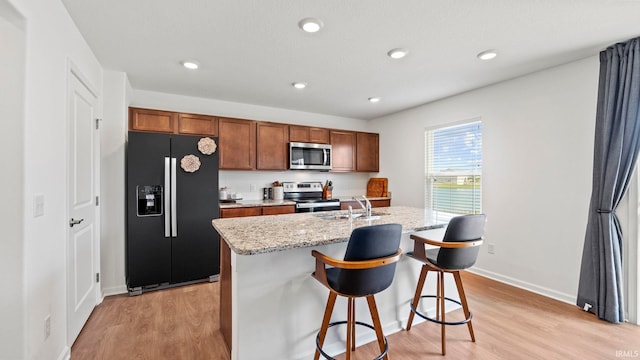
(271, 307)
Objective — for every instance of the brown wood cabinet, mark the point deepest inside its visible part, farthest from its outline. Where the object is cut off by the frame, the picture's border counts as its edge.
(251, 145)
(172, 122)
(309, 134)
(344, 205)
(343, 151)
(197, 124)
(152, 120)
(241, 212)
(278, 209)
(272, 146)
(257, 211)
(367, 152)
(237, 144)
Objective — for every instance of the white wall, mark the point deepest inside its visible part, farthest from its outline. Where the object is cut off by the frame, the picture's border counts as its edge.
(113, 132)
(537, 163)
(52, 42)
(12, 64)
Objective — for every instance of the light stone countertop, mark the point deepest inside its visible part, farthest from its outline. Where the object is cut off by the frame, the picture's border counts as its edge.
(270, 233)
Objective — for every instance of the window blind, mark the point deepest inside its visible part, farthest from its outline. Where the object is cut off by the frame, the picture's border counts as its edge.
(453, 169)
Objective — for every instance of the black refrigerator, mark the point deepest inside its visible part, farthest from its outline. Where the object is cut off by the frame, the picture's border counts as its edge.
(172, 196)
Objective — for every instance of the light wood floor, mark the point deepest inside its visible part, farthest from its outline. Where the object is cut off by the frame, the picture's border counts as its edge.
(509, 323)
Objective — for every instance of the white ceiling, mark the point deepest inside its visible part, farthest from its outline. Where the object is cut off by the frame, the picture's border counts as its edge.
(251, 51)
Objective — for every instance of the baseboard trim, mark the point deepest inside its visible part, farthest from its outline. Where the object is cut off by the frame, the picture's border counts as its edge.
(65, 354)
(540, 290)
(114, 290)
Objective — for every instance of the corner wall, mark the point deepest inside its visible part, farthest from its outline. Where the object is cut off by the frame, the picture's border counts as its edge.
(537, 167)
(12, 73)
(52, 43)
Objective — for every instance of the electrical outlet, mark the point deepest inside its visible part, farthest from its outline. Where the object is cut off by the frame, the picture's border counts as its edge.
(491, 248)
(252, 188)
(47, 326)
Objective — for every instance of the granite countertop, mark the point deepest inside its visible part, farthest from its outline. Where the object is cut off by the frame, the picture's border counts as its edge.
(254, 203)
(271, 233)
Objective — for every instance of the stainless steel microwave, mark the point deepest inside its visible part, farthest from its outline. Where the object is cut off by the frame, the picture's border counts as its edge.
(307, 156)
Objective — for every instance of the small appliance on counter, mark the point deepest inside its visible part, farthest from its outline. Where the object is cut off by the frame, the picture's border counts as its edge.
(309, 196)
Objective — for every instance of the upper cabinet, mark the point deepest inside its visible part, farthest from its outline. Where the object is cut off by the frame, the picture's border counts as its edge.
(152, 120)
(309, 134)
(272, 146)
(237, 144)
(259, 145)
(197, 124)
(367, 152)
(343, 151)
(172, 122)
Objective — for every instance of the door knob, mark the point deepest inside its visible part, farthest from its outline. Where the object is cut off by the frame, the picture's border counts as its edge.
(74, 222)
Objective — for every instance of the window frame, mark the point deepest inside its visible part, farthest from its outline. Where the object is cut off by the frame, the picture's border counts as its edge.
(429, 174)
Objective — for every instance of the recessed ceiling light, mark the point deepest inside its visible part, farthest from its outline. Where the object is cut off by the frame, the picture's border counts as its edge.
(487, 55)
(299, 85)
(310, 25)
(374, 99)
(397, 53)
(191, 65)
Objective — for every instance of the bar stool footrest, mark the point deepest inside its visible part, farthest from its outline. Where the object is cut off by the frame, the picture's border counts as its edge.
(326, 356)
(461, 322)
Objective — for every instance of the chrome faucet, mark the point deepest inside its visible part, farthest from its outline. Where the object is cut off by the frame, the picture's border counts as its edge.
(366, 208)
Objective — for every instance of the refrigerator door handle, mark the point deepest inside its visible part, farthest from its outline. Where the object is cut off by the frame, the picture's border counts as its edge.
(167, 204)
(174, 204)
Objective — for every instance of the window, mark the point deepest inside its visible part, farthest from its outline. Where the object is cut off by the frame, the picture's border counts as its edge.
(453, 169)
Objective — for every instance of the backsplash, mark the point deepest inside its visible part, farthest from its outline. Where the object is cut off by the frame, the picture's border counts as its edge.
(242, 182)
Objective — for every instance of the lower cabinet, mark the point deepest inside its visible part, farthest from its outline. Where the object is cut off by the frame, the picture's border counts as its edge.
(344, 205)
(257, 211)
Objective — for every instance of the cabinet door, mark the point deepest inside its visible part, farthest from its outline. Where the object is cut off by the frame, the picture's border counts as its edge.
(367, 152)
(319, 135)
(343, 151)
(309, 134)
(344, 205)
(298, 133)
(237, 144)
(272, 145)
(278, 209)
(240, 212)
(152, 120)
(197, 124)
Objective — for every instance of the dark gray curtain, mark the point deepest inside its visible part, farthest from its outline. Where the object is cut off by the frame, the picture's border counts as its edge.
(617, 142)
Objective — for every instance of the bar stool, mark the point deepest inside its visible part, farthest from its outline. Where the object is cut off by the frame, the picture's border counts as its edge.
(367, 269)
(457, 251)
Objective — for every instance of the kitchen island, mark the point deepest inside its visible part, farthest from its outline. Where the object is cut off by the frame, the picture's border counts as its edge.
(270, 306)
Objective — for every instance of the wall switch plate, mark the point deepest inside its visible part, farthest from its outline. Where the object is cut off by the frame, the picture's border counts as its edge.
(38, 205)
(491, 248)
(252, 188)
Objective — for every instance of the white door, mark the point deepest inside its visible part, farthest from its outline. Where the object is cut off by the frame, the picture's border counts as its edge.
(83, 228)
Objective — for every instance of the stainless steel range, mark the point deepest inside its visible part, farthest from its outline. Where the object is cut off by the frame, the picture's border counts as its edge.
(308, 197)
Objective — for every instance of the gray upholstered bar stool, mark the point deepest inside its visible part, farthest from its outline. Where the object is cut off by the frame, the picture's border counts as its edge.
(457, 251)
(367, 269)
